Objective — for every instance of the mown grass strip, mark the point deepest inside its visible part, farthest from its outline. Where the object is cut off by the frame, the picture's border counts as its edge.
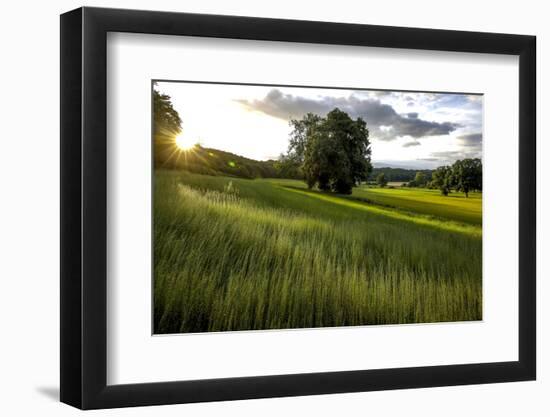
(393, 213)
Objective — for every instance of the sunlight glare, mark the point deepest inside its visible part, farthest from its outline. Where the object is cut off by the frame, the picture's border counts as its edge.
(184, 143)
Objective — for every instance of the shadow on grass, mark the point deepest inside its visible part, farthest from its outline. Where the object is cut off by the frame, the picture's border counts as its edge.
(394, 213)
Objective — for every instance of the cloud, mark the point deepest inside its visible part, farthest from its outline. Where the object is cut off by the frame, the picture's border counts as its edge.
(443, 155)
(471, 140)
(409, 144)
(449, 157)
(375, 113)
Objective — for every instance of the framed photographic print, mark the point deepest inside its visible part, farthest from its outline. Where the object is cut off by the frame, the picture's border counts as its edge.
(257, 207)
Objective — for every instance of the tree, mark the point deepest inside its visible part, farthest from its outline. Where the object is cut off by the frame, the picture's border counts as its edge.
(302, 131)
(334, 151)
(166, 126)
(420, 179)
(467, 175)
(442, 179)
(166, 118)
(288, 167)
(381, 180)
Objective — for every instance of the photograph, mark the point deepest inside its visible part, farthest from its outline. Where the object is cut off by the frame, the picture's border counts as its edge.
(282, 207)
(275, 206)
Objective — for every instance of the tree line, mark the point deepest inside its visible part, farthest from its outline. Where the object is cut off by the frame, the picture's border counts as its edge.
(397, 174)
(465, 175)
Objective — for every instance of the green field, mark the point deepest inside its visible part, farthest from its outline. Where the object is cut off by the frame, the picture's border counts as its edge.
(455, 206)
(240, 254)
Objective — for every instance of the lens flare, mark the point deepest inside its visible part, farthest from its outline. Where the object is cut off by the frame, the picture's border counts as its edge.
(184, 143)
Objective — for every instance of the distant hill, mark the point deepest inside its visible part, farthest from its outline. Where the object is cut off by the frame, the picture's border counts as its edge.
(215, 162)
(211, 161)
(399, 174)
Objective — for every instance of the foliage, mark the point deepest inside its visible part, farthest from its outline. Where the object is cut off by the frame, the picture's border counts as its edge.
(167, 125)
(442, 179)
(215, 162)
(166, 118)
(288, 167)
(467, 175)
(464, 175)
(334, 151)
(398, 174)
(381, 180)
(420, 179)
(302, 130)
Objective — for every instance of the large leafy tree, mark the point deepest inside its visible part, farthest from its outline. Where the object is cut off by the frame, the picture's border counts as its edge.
(166, 126)
(302, 131)
(334, 152)
(166, 118)
(420, 179)
(467, 175)
(442, 179)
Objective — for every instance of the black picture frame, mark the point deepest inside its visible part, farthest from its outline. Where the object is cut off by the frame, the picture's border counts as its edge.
(84, 207)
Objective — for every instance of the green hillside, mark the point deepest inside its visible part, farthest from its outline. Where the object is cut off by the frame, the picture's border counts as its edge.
(209, 161)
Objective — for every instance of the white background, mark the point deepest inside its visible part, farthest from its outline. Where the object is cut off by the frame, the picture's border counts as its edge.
(134, 356)
(29, 238)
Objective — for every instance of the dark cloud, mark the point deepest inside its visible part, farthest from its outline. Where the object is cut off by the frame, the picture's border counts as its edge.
(471, 140)
(447, 154)
(449, 157)
(470, 147)
(409, 144)
(383, 121)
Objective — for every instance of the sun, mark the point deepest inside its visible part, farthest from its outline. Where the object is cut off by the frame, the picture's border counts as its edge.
(184, 143)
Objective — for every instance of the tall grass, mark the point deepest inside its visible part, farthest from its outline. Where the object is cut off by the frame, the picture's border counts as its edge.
(235, 254)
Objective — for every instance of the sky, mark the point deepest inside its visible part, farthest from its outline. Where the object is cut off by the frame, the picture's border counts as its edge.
(406, 129)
